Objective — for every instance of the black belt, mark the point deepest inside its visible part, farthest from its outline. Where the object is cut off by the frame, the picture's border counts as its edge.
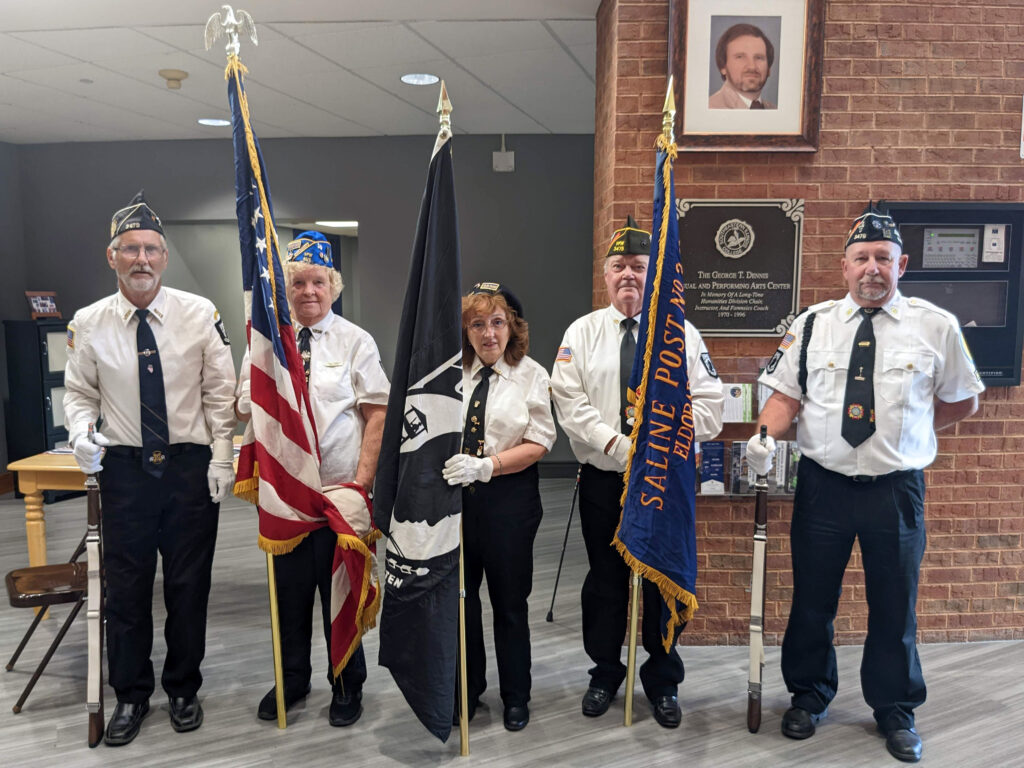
(134, 452)
(876, 478)
(863, 478)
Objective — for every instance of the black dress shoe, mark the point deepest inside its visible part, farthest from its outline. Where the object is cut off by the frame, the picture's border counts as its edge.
(904, 744)
(798, 723)
(666, 711)
(596, 701)
(346, 707)
(124, 723)
(267, 709)
(186, 713)
(516, 717)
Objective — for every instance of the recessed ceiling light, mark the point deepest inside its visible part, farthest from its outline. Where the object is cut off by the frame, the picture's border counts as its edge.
(420, 79)
(338, 224)
(216, 121)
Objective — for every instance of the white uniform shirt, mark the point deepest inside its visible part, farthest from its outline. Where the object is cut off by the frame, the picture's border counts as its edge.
(920, 354)
(102, 373)
(585, 385)
(518, 406)
(344, 373)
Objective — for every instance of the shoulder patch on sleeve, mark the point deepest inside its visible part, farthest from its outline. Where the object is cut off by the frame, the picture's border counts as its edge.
(71, 337)
(564, 355)
(705, 358)
(774, 362)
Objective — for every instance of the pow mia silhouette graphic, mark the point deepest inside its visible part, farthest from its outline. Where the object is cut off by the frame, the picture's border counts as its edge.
(434, 398)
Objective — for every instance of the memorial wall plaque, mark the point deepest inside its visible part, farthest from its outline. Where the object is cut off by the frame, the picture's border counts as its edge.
(741, 261)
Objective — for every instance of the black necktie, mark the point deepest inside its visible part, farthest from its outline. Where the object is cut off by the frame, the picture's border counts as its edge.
(304, 350)
(152, 406)
(756, 104)
(627, 351)
(473, 431)
(859, 401)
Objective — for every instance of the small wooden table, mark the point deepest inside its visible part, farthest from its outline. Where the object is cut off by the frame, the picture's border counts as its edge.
(48, 472)
(43, 472)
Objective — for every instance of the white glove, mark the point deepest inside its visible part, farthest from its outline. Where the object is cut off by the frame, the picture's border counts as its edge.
(353, 505)
(463, 469)
(620, 451)
(244, 401)
(89, 450)
(220, 478)
(759, 457)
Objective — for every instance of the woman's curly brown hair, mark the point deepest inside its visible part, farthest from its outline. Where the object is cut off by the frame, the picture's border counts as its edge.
(487, 304)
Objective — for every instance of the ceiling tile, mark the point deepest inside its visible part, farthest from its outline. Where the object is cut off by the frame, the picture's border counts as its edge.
(323, 67)
(16, 55)
(461, 39)
(363, 45)
(95, 44)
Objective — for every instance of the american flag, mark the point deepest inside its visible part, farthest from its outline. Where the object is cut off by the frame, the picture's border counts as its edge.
(279, 464)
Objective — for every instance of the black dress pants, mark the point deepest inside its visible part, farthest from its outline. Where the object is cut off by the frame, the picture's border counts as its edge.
(605, 596)
(299, 574)
(143, 516)
(499, 524)
(887, 517)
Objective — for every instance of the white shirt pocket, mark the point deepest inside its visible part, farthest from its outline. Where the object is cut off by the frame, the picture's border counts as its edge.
(332, 382)
(826, 375)
(903, 372)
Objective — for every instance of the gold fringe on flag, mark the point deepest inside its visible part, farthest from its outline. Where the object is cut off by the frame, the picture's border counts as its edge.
(249, 489)
(366, 615)
(279, 546)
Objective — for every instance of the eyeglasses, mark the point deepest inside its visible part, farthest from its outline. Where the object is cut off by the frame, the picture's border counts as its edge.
(132, 251)
(495, 323)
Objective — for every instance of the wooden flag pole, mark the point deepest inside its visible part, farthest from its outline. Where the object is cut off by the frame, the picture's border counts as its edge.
(634, 612)
(275, 634)
(463, 684)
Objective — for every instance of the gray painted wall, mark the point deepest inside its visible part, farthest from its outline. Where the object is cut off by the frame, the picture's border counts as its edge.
(530, 229)
(13, 267)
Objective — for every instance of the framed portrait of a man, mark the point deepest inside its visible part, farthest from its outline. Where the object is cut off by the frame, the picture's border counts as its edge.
(747, 73)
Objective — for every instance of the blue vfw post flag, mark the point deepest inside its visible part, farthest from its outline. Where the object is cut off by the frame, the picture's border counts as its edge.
(414, 507)
(657, 531)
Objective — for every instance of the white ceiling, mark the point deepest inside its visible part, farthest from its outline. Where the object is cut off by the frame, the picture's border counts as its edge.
(322, 68)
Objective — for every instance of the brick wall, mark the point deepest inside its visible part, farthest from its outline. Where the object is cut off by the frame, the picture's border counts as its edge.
(921, 101)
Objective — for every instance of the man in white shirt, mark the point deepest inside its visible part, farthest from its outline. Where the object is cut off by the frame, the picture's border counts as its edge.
(872, 377)
(348, 392)
(155, 365)
(587, 386)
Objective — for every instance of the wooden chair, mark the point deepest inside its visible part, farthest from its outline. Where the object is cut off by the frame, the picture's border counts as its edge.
(40, 587)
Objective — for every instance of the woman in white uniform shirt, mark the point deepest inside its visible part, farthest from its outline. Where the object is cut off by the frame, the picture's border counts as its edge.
(501, 506)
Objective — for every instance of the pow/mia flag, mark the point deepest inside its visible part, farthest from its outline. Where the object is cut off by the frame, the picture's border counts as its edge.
(414, 506)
